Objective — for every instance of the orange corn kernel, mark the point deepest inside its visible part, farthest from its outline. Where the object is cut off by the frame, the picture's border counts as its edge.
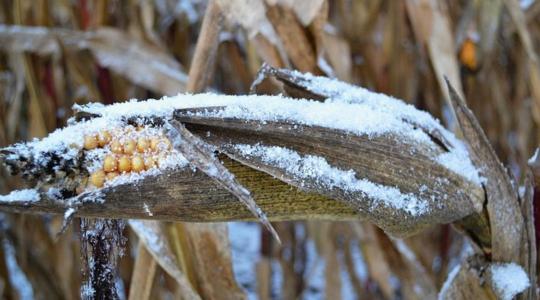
(97, 178)
(143, 144)
(109, 163)
(116, 147)
(124, 164)
(137, 163)
(90, 142)
(149, 163)
(104, 138)
(467, 54)
(154, 142)
(130, 146)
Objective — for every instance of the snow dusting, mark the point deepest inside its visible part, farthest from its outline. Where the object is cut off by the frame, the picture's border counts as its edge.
(509, 280)
(350, 109)
(318, 169)
(27, 195)
(457, 160)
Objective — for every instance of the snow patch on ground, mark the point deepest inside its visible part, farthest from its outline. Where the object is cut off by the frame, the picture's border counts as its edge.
(509, 280)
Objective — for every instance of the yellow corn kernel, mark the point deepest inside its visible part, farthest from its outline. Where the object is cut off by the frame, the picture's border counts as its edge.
(112, 175)
(104, 138)
(149, 162)
(90, 142)
(124, 164)
(142, 144)
(97, 178)
(137, 163)
(130, 146)
(116, 147)
(109, 163)
(160, 144)
(154, 142)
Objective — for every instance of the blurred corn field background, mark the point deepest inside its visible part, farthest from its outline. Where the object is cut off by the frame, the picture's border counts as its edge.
(54, 54)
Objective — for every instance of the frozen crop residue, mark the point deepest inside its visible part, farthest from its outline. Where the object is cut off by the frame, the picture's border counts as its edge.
(338, 91)
(348, 108)
(310, 167)
(351, 109)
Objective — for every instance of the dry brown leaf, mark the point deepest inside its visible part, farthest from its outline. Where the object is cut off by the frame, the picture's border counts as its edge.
(202, 64)
(431, 25)
(488, 24)
(466, 282)
(142, 277)
(378, 267)
(421, 284)
(533, 61)
(144, 64)
(151, 234)
(211, 259)
(294, 38)
(506, 220)
(264, 270)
